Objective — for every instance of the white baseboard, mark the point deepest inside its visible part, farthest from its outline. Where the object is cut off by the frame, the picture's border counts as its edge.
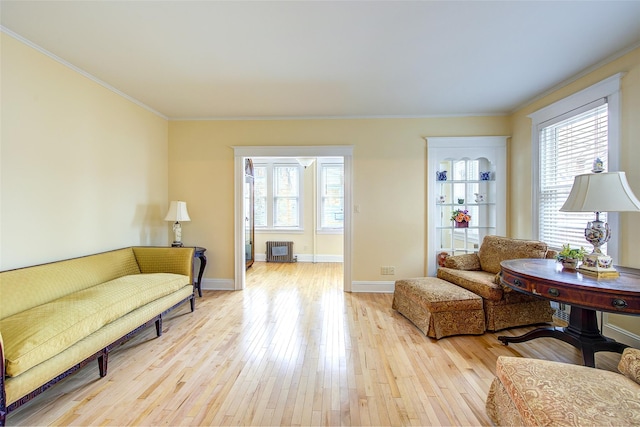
(373, 287)
(607, 329)
(307, 258)
(356, 286)
(218, 284)
(620, 335)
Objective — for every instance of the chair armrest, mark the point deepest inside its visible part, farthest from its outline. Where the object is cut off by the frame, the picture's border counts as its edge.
(153, 259)
(463, 262)
(629, 364)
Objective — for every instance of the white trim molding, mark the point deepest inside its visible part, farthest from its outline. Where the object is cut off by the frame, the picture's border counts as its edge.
(608, 88)
(243, 152)
(619, 334)
(377, 287)
(218, 285)
(307, 258)
(80, 71)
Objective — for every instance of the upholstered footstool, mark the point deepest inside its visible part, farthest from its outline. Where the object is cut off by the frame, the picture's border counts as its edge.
(439, 308)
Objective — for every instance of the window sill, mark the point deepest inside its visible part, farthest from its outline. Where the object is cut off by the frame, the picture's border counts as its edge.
(279, 230)
(330, 231)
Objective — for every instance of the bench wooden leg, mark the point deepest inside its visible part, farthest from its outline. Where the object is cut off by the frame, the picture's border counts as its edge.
(102, 363)
(159, 326)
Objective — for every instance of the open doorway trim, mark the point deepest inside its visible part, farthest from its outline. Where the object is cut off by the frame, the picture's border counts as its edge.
(241, 153)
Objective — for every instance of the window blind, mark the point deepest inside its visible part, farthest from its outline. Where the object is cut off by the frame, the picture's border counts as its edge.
(332, 195)
(569, 144)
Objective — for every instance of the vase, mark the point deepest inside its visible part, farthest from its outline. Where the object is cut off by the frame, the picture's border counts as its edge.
(570, 264)
(461, 224)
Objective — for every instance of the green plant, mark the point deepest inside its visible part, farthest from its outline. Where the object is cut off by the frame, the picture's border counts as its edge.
(568, 253)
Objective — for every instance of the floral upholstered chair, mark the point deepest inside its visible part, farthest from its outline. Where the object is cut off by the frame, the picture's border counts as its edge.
(479, 273)
(530, 392)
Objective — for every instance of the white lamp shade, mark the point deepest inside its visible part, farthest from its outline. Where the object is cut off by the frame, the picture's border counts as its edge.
(177, 212)
(601, 192)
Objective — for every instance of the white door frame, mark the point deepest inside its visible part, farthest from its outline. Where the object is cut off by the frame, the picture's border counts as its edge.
(241, 153)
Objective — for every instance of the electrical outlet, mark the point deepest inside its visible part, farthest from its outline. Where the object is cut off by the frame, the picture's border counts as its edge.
(388, 270)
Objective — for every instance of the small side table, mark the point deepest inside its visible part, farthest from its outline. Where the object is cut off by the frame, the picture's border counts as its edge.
(199, 253)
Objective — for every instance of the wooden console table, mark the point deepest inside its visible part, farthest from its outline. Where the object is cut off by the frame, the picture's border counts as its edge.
(199, 253)
(546, 279)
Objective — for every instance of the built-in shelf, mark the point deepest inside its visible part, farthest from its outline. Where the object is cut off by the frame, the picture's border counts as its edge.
(468, 161)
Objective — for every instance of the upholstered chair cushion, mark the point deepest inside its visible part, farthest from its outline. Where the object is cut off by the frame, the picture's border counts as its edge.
(479, 282)
(495, 249)
(630, 364)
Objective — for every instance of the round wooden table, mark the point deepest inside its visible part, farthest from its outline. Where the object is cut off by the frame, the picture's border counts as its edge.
(546, 278)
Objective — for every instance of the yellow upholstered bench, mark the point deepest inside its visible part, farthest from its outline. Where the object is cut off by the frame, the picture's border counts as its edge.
(56, 317)
(439, 308)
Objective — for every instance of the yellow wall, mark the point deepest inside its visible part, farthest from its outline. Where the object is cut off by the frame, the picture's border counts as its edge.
(82, 169)
(520, 160)
(389, 164)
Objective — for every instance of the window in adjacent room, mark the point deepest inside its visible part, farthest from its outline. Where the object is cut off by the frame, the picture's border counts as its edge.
(330, 194)
(567, 137)
(278, 199)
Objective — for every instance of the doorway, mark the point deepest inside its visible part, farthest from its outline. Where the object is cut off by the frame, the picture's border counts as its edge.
(242, 153)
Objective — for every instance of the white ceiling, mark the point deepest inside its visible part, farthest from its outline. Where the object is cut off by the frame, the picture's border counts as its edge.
(268, 59)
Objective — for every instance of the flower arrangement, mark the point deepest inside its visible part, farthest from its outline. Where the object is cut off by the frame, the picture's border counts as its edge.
(460, 215)
(567, 253)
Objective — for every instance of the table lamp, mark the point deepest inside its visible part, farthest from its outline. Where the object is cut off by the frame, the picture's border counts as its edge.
(177, 212)
(600, 192)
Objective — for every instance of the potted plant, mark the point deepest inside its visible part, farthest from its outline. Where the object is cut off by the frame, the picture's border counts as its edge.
(461, 218)
(570, 257)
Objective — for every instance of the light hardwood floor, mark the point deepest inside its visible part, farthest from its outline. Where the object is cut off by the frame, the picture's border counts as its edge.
(291, 349)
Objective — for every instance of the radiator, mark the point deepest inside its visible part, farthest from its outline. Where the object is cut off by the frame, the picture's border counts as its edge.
(280, 252)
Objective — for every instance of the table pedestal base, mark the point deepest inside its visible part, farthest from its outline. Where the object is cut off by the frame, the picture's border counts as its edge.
(582, 333)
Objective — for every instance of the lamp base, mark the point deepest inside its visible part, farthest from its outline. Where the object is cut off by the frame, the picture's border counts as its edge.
(607, 273)
(177, 245)
(598, 265)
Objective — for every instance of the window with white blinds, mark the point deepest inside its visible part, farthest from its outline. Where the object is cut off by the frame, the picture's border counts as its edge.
(568, 146)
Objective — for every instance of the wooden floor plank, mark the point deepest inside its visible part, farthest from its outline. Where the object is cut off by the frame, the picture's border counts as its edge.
(290, 349)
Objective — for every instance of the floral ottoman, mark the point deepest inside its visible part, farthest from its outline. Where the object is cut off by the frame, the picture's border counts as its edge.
(439, 308)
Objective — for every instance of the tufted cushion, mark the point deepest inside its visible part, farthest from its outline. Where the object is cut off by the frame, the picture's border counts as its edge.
(495, 249)
(66, 320)
(553, 393)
